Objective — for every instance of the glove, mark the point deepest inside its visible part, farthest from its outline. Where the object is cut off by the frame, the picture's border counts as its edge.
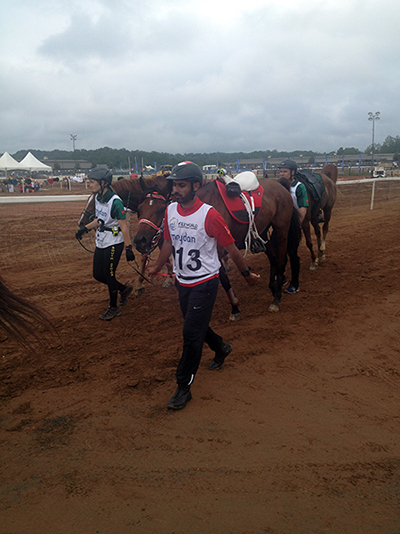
(130, 256)
(79, 233)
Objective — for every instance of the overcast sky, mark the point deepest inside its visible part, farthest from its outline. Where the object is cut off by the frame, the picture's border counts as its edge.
(198, 75)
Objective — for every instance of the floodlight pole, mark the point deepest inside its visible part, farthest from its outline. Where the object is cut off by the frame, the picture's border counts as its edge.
(73, 139)
(373, 117)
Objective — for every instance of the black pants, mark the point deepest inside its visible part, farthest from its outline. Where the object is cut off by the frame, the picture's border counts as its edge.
(197, 304)
(105, 263)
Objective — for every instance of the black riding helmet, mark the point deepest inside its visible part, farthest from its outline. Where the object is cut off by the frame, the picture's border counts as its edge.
(186, 170)
(99, 174)
(288, 164)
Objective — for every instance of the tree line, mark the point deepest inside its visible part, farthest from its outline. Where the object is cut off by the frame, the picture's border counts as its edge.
(121, 158)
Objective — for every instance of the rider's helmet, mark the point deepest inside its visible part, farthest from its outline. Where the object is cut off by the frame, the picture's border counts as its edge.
(288, 164)
(221, 172)
(99, 174)
(186, 170)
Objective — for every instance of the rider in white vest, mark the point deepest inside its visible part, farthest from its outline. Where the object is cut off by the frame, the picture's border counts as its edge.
(288, 169)
(112, 232)
(192, 231)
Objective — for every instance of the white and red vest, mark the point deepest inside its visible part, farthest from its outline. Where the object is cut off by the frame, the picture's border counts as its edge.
(195, 256)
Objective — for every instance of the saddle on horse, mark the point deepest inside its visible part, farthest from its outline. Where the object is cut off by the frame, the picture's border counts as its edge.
(242, 197)
(315, 188)
(313, 182)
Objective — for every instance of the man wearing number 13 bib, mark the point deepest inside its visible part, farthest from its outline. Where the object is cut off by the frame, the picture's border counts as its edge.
(192, 231)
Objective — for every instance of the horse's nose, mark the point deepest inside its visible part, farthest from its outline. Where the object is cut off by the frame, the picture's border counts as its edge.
(141, 243)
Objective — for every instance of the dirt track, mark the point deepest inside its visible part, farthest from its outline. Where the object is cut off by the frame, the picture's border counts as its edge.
(298, 433)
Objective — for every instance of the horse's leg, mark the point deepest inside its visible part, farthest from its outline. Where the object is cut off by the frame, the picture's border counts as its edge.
(317, 232)
(170, 280)
(234, 302)
(140, 289)
(325, 228)
(277, 262)
(307, 235)
(226, 264)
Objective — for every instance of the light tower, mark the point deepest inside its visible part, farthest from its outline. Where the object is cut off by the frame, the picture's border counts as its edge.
(373, 117)
(73, 139)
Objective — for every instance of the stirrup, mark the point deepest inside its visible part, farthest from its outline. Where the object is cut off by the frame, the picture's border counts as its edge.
(257, 246)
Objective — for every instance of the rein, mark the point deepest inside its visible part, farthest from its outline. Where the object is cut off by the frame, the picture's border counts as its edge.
(83, 246)
(131, 266)
(140, 274)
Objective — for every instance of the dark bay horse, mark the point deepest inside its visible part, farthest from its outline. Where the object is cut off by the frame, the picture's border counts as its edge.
(131, 193)
(329, 176)
(276, 213)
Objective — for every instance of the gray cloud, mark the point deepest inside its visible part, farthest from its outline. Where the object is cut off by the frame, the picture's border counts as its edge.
(164, 76)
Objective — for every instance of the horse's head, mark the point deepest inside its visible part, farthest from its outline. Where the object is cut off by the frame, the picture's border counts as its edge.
(151, 215)
(88, 213)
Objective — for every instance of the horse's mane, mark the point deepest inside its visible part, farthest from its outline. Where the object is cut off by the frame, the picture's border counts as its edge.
(126, 185)
(136, 184)
(284, 182)
(20, 318)
(162, 191)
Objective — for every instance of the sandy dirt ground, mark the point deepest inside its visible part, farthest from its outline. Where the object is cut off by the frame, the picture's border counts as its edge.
(298, 433)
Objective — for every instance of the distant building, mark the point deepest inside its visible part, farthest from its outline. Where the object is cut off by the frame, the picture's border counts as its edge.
(69, 165)
(350, 160)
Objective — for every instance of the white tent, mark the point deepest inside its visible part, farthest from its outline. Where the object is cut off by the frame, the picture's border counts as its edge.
(33, 164)
(8, 163)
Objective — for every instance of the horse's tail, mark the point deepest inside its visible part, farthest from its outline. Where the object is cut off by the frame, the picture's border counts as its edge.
(331, 171)
(294, 236)
(20, 318)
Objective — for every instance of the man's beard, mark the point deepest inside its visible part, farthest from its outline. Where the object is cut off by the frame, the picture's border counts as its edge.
(187, 198)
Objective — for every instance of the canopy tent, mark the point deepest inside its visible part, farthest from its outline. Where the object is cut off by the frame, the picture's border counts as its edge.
(8, 163)
(33, 164)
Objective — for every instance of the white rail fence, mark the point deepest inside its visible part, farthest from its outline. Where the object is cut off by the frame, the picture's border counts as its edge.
(372, 181)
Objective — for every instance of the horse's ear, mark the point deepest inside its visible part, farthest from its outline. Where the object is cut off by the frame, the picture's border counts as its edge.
(142, 183)
(168, 187)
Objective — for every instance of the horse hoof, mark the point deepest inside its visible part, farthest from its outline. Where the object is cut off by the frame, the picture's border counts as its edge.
(167, 283)
(235, 317)
(273, 307)
(139, 291)
(313, 267)
(322, 259)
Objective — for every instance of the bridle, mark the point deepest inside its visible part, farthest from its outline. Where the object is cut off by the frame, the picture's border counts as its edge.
(159, 229)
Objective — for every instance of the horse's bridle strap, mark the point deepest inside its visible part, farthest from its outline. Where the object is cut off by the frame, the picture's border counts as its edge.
(146, 221)
(156, 195)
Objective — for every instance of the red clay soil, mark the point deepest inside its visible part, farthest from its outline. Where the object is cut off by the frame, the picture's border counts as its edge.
(298, 433)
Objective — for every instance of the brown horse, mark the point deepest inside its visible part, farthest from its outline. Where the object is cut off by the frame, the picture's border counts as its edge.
(20, 318)
(131, 193)
(329, 176)
(276, 213)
